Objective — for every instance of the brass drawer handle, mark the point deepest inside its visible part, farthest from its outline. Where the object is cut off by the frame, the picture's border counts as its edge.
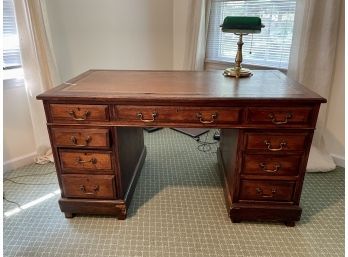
(80, 161)
(269, 147)
(74, 141)
(201, 120)
(141, 117)
(275, 121)
(83, 117)
(95, 190)
(259, 192)
(264, 168)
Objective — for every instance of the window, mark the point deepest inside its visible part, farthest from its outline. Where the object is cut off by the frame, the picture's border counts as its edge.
(12, 65)
(270, 48)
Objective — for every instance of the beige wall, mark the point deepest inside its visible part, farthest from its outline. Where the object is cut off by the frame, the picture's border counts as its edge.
(334, 136)
(18, 131)
(111, 34)
(180, 32)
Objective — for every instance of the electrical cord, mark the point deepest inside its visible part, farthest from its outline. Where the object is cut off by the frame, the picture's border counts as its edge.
(22, 183)
(29, 184)
(30, 175)
(13, 202)
(205, 146)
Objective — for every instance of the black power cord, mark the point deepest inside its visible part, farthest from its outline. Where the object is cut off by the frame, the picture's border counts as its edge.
(30, 175)
(13, 202)
(29, 184)
(204, 145)
(22, 183)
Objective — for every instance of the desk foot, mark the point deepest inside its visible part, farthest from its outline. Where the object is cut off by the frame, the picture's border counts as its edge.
(122, 214)
(70, 207)
(289, 223)
(286, 214)
(68, 215)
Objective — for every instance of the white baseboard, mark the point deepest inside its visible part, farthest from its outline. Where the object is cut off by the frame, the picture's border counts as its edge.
(19, 162)
(339, 160)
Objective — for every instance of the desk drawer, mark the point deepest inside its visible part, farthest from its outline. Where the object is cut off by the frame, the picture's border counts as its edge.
(85, 161)
(276, 142)
(79, 112)
(261, 190)
(271, 165)
(89, 186)
(283, 117)
(172, 114)
(82, 138)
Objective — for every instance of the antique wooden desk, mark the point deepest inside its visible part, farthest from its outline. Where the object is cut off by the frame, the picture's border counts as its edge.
(267, 122)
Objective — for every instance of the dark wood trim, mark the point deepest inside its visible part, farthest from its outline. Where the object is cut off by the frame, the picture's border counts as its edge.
(129, 193)
(89, 206)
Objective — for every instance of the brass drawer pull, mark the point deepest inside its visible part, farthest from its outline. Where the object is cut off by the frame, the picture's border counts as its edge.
(141, 117)
(95, 190)
(74, 141)
(259, 192)
(264, 168)
(83, 117)
(80, 161)
(275, 121)
(269, 147)
(200, 117)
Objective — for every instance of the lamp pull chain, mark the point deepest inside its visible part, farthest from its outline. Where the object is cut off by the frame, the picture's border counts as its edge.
(251, 45)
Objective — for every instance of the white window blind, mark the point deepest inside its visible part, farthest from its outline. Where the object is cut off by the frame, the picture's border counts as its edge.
(270, 48)
(11, 52)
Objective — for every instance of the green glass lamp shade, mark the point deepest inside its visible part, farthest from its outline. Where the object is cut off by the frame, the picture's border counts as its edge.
(242, 24)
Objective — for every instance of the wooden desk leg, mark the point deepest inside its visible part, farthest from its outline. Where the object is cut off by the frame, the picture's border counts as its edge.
(290, 223)
(68, 215)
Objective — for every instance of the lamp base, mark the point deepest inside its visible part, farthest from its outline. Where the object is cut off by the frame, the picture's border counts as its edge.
(233, 72)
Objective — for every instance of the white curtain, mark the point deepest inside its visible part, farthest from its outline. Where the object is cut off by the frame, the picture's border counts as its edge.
(312, 63)
(38, 64)
(197, 31)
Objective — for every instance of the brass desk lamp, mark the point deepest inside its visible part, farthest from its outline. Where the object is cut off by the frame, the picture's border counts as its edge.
(240, 25)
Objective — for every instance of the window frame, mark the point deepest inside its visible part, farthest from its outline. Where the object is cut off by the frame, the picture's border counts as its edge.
(222, 64)
(13, 76)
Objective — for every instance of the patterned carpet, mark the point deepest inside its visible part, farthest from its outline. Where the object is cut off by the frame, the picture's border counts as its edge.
(178, 209)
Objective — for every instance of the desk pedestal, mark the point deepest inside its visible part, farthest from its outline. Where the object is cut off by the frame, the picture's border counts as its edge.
(94, 188)
(263, 183)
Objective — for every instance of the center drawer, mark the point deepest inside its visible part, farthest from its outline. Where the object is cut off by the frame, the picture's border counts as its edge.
(74, 161)
(172, 114)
